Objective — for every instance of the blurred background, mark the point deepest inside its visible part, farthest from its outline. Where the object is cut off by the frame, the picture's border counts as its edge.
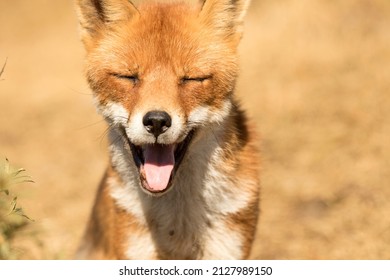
(315, 79)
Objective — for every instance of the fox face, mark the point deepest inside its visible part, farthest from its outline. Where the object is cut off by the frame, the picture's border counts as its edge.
(161, 73)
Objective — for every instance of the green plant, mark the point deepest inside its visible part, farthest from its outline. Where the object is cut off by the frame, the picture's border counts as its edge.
(12, 216)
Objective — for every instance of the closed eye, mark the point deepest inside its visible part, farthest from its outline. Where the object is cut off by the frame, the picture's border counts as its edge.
(200, 79)
(132, 78)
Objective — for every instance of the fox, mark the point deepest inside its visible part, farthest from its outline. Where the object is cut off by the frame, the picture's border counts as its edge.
(182, 181)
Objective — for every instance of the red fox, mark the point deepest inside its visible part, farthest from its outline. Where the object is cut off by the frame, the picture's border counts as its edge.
(182, 182)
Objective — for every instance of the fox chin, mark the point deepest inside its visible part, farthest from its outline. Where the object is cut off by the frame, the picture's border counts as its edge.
(182, 182)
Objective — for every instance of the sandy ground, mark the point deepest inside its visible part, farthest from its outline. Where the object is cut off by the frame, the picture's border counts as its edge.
(315, 78)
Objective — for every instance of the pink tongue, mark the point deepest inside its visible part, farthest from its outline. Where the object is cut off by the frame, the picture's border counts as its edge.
(158, 166)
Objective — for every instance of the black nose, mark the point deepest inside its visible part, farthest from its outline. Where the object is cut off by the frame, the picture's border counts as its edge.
(157, 122)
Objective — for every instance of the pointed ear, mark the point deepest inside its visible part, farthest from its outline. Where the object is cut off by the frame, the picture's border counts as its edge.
(96, 14)
(225, 16)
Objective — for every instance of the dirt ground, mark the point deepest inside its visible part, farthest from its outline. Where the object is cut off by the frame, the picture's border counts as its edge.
(315, 78)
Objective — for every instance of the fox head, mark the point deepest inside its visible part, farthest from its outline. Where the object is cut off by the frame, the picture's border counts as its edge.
(160, 73)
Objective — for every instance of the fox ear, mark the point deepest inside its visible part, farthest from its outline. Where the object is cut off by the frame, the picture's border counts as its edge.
(96, 14)
(225, 16)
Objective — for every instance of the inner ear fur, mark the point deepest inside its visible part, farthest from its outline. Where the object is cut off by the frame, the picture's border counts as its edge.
(95, 15)
(224, 16)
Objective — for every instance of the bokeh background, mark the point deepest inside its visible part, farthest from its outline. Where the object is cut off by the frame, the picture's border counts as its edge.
(315, 78)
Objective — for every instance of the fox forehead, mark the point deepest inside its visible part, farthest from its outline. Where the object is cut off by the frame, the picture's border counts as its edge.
(163, 34)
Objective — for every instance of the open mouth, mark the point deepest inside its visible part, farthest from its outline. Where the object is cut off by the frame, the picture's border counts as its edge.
(158, 163)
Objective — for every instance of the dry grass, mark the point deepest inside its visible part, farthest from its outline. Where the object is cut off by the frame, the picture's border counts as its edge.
(315, 77)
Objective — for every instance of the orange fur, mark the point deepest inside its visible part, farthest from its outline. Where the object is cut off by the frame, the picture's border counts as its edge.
(180, 60)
